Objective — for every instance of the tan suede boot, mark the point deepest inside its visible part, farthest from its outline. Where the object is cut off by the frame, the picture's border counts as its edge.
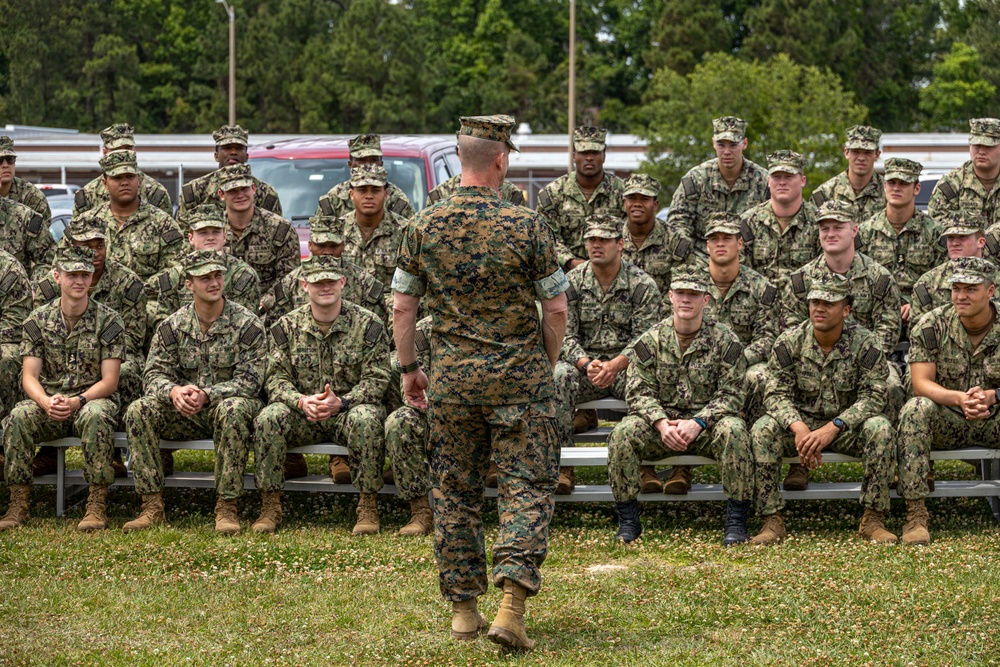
(367, 515)
(295, 466)
(466, 621)
(772, 531)
(508, 627)
(567, 481)
(45, 462)
(421, 519)
(915, 530)
(227, 519)
(584, 420)
(648, 481)
(151, 515)
(270, 513)
(340, 472)
(20, 502)
(872, 528)
(491, 476)
(679, 482)
(96, 517)
(797, 478)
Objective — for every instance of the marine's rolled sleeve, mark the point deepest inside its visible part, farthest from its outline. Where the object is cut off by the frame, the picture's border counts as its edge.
(407, 278)
(547, 288)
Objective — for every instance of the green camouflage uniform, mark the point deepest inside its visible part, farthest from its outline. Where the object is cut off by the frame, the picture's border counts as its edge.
(24, 234)
(15, 305)
(376, 256)
(227, 363)
(774, 253)
(908, 255)
(94, 195)
(804, 384)
(933, 290)
(361, 288)
(71, 364)
(353, 358)
(661, 252)
(705, 382)
(960, 190)
(868, 202)
(601, 326)
(480, 263)
(147, 243)
(25, 193)
(508, 191)
(269, 245)
(205, 190)
(241, 286)
(337, 201)
(407, 432)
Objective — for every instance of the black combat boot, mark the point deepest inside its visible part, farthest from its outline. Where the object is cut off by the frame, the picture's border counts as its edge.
(735, 531)
(629, 528)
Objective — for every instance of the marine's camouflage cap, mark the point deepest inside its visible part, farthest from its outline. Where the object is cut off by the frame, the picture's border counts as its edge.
(321, 267)
(642, 184)
(231, 134)
(369, 174)
(829, 287)
(203, 262)
(589, 138)
(119, 162)
(235, 176)
(326, 229)
(601, 226)
(961, 223)
(863, 137)
(971, 270)
(494, 128)
(899, 168)
(7, 147)
(984, 131)
(788, 162)
(365, 145)
(691, 279)
(837, 209)
(721, 222)
(118, 136)
(206, 216)
(74, 258)
(87, 226)
(729, 128)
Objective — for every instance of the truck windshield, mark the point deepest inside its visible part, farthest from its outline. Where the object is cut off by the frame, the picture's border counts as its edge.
(300, 183)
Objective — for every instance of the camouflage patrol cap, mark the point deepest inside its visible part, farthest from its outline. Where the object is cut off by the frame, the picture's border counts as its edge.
(901, 169)
(493, 128)
(203, 262)
(642, 184)
(235, 176)
(689, 279)
(589, 138)
(231, 134)
(7, 147)
(729, 128)
(369, 174)
(984, 131)
(721, 222)
(205, 216)
(961, 223)
(326, 229)
(830, 287)
(971, 271)
(87, 226)
(321, 267)
(840, 210)
(365, 145)
(74, 259)
(601, 226)
(118, 136)
(119, 162)
(863, 137)
(785, 161)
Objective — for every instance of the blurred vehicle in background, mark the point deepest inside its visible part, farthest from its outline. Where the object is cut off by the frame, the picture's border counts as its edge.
(62, 211)
(927, 184)
(51, 190)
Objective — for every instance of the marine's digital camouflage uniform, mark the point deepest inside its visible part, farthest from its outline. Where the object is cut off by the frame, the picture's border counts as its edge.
(562, 205)
(508, 191)
(776, 253)
(908, 255)
(407, 432)
(933, 290)
(205, 190)
(337, 201)
(661, 252)
(353, 358)
(704, 382)
(28, 194)
(601, 326)
(71, 364)
(480, 263)
(241, 286)
(361, 288)
(961, 192)
(939, 338)
(228, 363)
(804, 384)
(94, 195)
(269, 245)
(147, 243)
(25, 235)
(868, 202)
(15, 305)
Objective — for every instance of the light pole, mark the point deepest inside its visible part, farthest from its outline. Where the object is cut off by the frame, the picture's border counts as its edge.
(572, 77)
(230, 10)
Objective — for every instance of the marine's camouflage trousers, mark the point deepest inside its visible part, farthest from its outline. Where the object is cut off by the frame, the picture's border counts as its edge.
(227, 423)
(10, 379)
(896, 390)
(923, 426)
(574, 387)
(130, 387)
(634, 440)
(753, 386)
(874, 443)
(406, 433)
(524, 444)
(279, 427)
(27, 424)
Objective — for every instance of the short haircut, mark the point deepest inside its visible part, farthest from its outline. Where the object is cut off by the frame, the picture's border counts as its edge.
(477, 155)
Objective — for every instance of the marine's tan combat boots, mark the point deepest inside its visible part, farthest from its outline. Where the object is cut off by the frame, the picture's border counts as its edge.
(227, 519)
(367, 515)
(915, 530)
(17, 514)
(151, 514)
(772, 531)
(508, 626)
(872, 528)
(96, 517)
(270, 513)
(466, 621)
(421, 519)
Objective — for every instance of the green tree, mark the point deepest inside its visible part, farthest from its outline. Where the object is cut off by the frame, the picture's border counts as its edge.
(957, 92)
(787, 106)
(686, 31)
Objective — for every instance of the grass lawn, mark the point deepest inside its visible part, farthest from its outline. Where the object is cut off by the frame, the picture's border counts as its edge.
(314, 595)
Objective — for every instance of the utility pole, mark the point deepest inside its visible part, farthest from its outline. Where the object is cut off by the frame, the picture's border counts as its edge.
(572, 79)
(231, 11)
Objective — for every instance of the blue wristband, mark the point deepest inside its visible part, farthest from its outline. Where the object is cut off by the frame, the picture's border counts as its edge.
(699, 422)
